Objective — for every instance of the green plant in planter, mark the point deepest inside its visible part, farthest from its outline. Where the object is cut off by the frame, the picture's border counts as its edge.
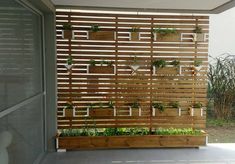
(175, 104)
(69, 105)
(164, 31)
(67, 26)
(135, 104)
(135, 29)
(177, 131)
(95, 28)
(197, 105)
(159, 106)
(110, 104)
(197, 30)
(159, 63)
(197, 63)
(70, 60)
(92, 62)
(175, 63)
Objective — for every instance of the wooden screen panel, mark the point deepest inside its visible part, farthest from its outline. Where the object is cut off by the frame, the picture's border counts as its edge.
(126, 86)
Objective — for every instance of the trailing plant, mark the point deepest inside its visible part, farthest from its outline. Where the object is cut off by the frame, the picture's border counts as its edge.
(177, 131)
(67, 26)
(197, 62)
(159, 63)
(159, 106)
(95, 28)
(197, 30)
(135, 29)
(70, 60)
(175, 104)
(175, 63)
(110, 104)
(221, 86)
(164, 31)
(197, 105)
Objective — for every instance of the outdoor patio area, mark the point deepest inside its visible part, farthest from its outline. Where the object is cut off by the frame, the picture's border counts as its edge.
(211, 154)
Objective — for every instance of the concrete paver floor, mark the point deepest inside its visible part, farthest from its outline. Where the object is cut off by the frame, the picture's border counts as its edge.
(211, 154)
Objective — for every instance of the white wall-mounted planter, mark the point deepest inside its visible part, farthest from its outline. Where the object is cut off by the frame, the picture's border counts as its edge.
(166, 112)
(68, 67)
(101, 112)
(196, 111)
(168, 69)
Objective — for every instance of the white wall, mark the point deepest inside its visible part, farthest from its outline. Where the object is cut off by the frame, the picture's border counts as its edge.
(222, 33)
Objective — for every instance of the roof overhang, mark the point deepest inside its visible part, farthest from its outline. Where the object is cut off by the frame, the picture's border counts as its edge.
(176, 6)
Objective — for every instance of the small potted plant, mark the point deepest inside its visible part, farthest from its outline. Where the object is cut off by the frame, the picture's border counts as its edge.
(161, 67)
(135, 109)
(101, 67)
(134, 33)
(95, 33)
(175, 63)
(69, 63)
(196, 109)
(67, 32)
(197, 64)
(176, 105)
(165, 34)
(159, 63)
(199, 36)
(68, 109)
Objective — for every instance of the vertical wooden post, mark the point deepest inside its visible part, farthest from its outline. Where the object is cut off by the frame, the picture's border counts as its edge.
(70, 71)
(116, 67)
(151, 76)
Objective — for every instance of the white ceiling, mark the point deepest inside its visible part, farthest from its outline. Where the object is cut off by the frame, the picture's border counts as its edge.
(146, 4)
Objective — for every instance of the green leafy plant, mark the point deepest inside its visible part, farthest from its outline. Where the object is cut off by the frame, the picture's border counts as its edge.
(175, 63)
(221, 88)
(69, 105)
(197, 62)
(67, 26)
(159, 106)
(197, 105)
(175, 104)
(197, 30)
(159, 63)
(92, 62)
(164, 31)
(95, 28)
(70, 60)
(135, 29)
(135, 104)
(110, 104)
(177, 131)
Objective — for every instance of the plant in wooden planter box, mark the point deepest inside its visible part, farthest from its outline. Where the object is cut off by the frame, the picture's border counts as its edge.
(135, 109)
(69, 110)
(134, 33)
(101, 67)
(69, 63)
(67, 32)
(158, 108)
(130, 138)
(196, 109)
(161, 67)
(96, 34)
(165, 34)
(199, 36)
(101, 109)
(197, 64)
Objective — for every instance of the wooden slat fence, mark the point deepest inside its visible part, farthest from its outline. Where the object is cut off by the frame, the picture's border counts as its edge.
(124, 86)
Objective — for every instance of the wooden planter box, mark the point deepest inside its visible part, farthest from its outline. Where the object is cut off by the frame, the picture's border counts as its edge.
(101, 69)
(101, 112)
(199, 38)
(166, 38)
(168, 112)
(102, 35)
(68, 112)
(67, 34)
(147, 141)
(168, 70)
(134, 36)
(196, 112)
